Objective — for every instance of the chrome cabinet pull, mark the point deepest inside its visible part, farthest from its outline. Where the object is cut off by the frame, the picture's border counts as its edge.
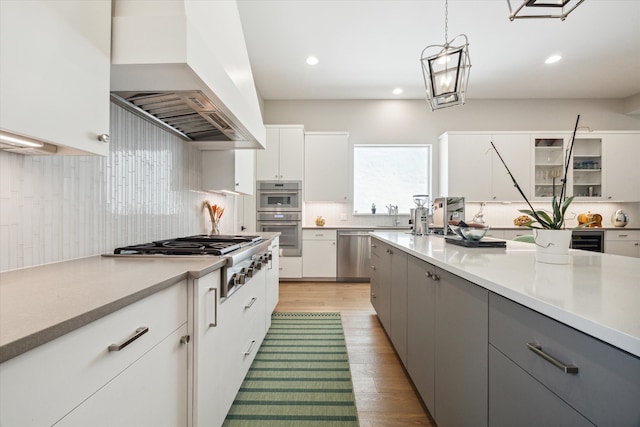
(537, 349)
(429, 274)
(253, 300)
(250, 349)
(185, 339)
(215, 306)
(139, 332)
(435, 277)
(373, 267)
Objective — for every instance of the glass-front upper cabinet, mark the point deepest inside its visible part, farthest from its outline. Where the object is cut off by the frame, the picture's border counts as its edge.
(587, 167)
(548, 166)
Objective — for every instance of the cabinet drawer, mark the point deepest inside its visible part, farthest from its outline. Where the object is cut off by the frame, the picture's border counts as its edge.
(57, 376)
(516, 399)
(319, 234)
(606, 388)
(625, 235)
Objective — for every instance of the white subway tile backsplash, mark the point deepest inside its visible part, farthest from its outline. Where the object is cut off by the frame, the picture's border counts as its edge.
(55, 208)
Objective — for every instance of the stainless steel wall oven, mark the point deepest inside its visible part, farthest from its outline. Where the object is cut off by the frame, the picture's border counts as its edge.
(279, 210)
(279, 196)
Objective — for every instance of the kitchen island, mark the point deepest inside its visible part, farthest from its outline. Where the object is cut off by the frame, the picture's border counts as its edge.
(482, 332)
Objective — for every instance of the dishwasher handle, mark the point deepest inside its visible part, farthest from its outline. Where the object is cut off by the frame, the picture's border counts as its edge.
(354, 233)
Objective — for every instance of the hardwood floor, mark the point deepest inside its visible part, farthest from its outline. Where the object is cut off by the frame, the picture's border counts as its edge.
(384, 394)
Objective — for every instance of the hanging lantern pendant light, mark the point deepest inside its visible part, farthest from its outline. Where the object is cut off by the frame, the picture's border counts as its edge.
(445, 69)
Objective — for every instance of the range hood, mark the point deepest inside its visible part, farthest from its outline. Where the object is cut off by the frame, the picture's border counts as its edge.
(188, 114)
(184, 65)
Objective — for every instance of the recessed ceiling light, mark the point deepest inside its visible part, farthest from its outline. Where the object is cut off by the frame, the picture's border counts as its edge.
(397, 91)
(552, 59)
(312, 60)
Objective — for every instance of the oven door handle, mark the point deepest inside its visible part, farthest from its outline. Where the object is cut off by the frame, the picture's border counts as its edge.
(277, 224)
(295, 193)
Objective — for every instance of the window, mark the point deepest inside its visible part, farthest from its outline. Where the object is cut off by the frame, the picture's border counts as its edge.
(390, 174)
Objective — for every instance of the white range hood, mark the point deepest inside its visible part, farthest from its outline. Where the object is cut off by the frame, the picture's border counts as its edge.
(190, 56)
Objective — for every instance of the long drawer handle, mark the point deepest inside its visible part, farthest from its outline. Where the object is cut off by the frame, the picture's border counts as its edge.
(139, 332)
(215, 306)
(253, 300)
(537, 349)
(250, 349)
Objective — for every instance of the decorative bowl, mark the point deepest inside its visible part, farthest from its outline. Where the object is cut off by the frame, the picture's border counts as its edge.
(473, 233)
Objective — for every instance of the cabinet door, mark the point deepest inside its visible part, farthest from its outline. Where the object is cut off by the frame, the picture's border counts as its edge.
(291, 153)
(398, 285)
(621, 247)
(228, 170)
(462, 334)
(381, 286)
(517, 399)
(319, 258)
(516, 151)
(273, 281)
(206, 347)
(621, 167)
(421, 324)
(268, 160)
(54, 72)
(151, 392)
(326, 167)
(468, 166)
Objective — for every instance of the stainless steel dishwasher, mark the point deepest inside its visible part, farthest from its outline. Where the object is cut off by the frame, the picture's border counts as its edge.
(354, 256)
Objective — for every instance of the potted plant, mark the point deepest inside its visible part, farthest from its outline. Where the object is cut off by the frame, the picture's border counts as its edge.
(551, 238)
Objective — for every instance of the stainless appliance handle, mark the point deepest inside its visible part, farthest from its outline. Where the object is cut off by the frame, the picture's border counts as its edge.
(354, 233)
(139, 332)
(537, 349)
(278, 224)
(295, 192)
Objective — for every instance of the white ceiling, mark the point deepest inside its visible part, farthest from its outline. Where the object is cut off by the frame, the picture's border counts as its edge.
(367, 48)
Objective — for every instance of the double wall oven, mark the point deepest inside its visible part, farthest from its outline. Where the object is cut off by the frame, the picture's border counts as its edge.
(279, 210)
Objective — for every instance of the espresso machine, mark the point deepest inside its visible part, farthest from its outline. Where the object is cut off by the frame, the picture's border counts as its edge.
(421, 214)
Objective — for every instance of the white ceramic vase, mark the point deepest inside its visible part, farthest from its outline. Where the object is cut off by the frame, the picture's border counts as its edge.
(552, 246)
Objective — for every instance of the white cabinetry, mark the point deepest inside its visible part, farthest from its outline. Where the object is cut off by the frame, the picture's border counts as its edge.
(230, 170)
(139, 396)
(326, 167)
(621, 166)
(319, 253)
(207, 350)
(242, 323)
(78, 379)
(273, 280)
(283, 157)
(54, 72)
(290, 267)
(622, 242)
(469, 166)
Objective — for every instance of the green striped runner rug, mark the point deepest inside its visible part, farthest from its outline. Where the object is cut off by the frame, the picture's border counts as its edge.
(300, 376)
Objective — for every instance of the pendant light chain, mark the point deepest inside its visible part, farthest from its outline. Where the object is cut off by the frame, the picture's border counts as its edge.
(446, 21)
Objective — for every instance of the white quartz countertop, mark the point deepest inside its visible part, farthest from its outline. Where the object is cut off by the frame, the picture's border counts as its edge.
(598, 294)
(39, 304)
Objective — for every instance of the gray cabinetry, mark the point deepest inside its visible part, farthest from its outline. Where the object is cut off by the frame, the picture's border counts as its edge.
(421, 323)
(604, 389)
(380, 290)
(517, 399)
(398, 290)
(389, 293)
(461, 351)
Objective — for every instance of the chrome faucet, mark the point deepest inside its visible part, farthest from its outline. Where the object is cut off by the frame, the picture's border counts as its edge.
(393, 210)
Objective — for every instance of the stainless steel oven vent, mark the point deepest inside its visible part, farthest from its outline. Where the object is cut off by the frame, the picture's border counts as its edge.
(188, 114)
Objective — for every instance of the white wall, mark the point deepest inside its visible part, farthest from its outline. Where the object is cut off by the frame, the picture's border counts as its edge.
(55, 208)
